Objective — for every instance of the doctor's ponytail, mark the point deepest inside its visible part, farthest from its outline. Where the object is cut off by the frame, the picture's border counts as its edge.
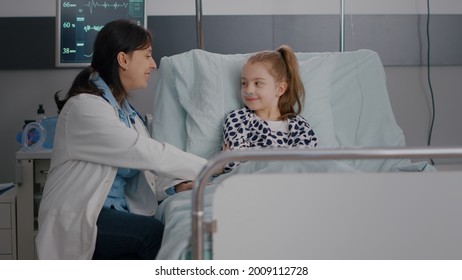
(81, 84)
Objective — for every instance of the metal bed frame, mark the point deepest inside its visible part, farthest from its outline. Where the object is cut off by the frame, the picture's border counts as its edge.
(200, 37)
(216, 162)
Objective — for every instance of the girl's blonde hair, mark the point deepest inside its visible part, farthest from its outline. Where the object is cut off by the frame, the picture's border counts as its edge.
(284, 69)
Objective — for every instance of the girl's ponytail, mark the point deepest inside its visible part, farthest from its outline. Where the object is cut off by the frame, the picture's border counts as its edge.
(291, 102)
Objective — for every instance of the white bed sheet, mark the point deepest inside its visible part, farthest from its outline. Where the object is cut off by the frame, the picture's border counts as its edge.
(175, 211)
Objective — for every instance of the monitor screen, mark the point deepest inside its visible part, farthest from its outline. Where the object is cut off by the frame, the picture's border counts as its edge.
(78, 22)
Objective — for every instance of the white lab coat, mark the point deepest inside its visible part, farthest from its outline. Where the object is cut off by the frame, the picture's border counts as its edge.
(90, 144)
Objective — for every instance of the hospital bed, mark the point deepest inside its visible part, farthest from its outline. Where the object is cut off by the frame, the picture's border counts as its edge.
(360, 195)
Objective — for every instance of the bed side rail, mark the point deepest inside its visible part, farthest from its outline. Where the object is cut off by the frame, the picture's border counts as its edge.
(218, 161)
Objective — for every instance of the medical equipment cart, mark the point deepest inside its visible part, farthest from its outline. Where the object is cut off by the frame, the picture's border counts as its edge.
(31, 172)
(8, 225)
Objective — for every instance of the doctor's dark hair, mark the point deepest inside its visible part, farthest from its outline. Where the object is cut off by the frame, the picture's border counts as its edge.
(115, 37)
(284, 68)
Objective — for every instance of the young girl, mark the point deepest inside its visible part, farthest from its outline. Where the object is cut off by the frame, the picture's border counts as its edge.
(272, 92)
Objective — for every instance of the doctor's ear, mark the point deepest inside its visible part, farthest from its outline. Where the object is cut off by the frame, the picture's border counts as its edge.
(122, 59)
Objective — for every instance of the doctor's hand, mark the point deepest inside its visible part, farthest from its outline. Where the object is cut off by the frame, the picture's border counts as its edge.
(184, 186)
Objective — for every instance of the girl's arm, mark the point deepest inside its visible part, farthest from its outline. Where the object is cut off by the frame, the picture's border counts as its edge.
(232, 139)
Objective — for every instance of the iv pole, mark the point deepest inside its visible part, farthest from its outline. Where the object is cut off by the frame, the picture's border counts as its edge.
(342, 25)
(200, 40)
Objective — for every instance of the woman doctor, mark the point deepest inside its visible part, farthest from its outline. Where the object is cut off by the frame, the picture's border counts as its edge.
(107, 175)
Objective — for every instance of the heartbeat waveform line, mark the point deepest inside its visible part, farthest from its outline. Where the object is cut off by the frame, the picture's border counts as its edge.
(98, 28)
(95, 4)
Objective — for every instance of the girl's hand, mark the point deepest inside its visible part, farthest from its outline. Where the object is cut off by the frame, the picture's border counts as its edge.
(184, 186)
(225, 147)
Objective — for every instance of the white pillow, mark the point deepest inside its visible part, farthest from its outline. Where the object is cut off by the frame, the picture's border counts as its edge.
(317, 77)
(208, 88)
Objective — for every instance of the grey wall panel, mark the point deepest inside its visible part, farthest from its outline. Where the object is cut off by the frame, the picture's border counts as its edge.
(402, 39)
(394, 37)
(399, 39)
(29, 43)
(446, 39)
(238, 34)
(222, 34)
(172, 35)
(314, 33)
